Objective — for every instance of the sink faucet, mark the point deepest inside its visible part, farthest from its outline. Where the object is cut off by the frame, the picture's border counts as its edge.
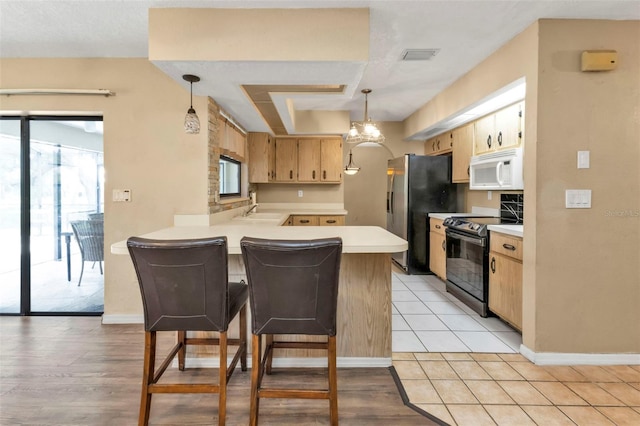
(253, 207)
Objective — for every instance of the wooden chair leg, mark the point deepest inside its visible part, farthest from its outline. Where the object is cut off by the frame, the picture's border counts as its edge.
(243, 338)
(147, 376)
(333, 381)
(182, 338)
(256, 367)
(222, 397)
(269, 361)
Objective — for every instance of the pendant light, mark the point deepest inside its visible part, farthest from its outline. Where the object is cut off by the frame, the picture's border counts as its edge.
(351, 168)
(365, 130)
(191, 120)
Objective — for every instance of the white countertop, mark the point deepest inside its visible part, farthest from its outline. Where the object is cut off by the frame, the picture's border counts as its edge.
(515, 230)
(355, 239)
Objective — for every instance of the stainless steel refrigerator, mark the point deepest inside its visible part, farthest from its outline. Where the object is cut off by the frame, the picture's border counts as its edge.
(416, 186)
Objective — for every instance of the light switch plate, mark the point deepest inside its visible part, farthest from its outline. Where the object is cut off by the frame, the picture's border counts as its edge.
(583, 159)
(578, 198)
(121, 195)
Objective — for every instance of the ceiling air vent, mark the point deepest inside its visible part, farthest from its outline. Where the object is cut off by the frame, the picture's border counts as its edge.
(419, 54)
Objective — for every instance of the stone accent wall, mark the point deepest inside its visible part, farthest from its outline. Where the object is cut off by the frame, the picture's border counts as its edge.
(213, 113)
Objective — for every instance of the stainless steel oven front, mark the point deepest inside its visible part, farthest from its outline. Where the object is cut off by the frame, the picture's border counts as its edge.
(467, 269)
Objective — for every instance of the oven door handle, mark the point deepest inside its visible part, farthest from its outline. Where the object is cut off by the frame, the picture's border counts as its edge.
(472, 240)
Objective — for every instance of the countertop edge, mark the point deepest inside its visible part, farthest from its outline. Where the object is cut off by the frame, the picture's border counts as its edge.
(514, 230)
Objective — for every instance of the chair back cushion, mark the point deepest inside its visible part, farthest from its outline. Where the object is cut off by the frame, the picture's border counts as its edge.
(183, 283)
(293, 285)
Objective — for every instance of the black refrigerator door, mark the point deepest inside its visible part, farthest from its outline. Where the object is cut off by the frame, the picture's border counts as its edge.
(430, 191)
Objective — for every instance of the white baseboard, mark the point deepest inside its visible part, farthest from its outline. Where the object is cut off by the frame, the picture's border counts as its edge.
(123, 319)
(557, 358)
(343, 362)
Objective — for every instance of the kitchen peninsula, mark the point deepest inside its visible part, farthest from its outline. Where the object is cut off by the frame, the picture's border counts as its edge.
(364, 300)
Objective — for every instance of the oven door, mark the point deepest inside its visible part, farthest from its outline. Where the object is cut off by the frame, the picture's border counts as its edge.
(467, 261)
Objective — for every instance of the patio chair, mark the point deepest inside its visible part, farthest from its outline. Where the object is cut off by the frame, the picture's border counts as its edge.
(90, 237)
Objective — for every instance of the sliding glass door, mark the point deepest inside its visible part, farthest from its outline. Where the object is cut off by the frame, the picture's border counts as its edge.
(60, 233)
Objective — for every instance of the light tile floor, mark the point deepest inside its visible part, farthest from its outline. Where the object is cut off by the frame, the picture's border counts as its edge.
(428, 319)
(466, 370)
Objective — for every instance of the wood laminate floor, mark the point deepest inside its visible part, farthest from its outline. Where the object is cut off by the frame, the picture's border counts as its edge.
(76, 371)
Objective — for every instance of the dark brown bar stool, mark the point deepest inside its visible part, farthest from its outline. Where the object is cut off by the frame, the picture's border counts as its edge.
(293, 287)
(184, 286)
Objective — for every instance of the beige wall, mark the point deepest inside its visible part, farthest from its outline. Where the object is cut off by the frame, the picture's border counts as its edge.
(581, 267)
(588, 261)
(365, 193)
(145, 148)
(288, 193)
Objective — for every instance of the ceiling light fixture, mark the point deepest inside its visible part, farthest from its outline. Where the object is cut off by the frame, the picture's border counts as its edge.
(191, 120)
(351, 168)
(365, 130)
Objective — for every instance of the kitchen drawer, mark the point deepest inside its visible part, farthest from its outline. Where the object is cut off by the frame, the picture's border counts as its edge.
(331, 220)
(506, 245)
(435, 225)
(305, 221)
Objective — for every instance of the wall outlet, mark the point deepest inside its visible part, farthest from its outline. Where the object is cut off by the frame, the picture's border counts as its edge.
(583, 159)
(300, 193)
(489, 195)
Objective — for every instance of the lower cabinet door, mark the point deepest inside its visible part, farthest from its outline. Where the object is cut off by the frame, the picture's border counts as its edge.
(505, 288)
(438, 254)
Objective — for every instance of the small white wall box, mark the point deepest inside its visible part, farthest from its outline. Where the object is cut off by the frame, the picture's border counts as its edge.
(599, 60)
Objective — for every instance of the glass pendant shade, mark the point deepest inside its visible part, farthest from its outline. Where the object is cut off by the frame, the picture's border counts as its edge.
(365, 130)
(351, 168)
(191, 120)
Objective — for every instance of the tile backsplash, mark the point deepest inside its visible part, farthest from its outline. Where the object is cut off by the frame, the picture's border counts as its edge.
(512, 207)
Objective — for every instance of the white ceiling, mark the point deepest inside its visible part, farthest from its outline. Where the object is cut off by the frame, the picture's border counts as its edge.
(465, 31)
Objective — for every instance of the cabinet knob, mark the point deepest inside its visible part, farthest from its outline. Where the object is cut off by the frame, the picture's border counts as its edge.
(313, 174)
(468, 170)
(500, 138)
(509, 247)
(331, 221)
(324, 174)
(444, 247)
(433, 146)
(493, 265)
(438, 226)
(304, 221)
(290, 174)
(438, 144)
(489, 141)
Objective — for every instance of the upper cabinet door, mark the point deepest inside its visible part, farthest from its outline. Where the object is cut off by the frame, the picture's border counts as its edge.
(484, 134)
(309, 160)
(462, 152)
(331, 155)
(286, 160)
(508, 126)
(261, 159)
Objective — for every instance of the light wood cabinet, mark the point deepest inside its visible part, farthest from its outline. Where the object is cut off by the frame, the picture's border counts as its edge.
(316, 220)
(438, 145)
(331, 160)
(262, 159)
(505, 278)
(309, 160)
(294, 160)
(437, 248)
(337, 220)
(500, 130)
(320, 160)
(462, 152)
(286, 153)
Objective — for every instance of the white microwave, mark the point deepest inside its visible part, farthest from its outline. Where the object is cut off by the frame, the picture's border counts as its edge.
(498, 170)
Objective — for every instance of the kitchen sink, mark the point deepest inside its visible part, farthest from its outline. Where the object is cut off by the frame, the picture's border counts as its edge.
(260, 216)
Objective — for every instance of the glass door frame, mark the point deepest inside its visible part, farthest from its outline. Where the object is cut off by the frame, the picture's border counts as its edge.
(25, 209)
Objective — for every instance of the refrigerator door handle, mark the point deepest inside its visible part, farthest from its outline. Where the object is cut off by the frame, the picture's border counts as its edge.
(390, 194)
